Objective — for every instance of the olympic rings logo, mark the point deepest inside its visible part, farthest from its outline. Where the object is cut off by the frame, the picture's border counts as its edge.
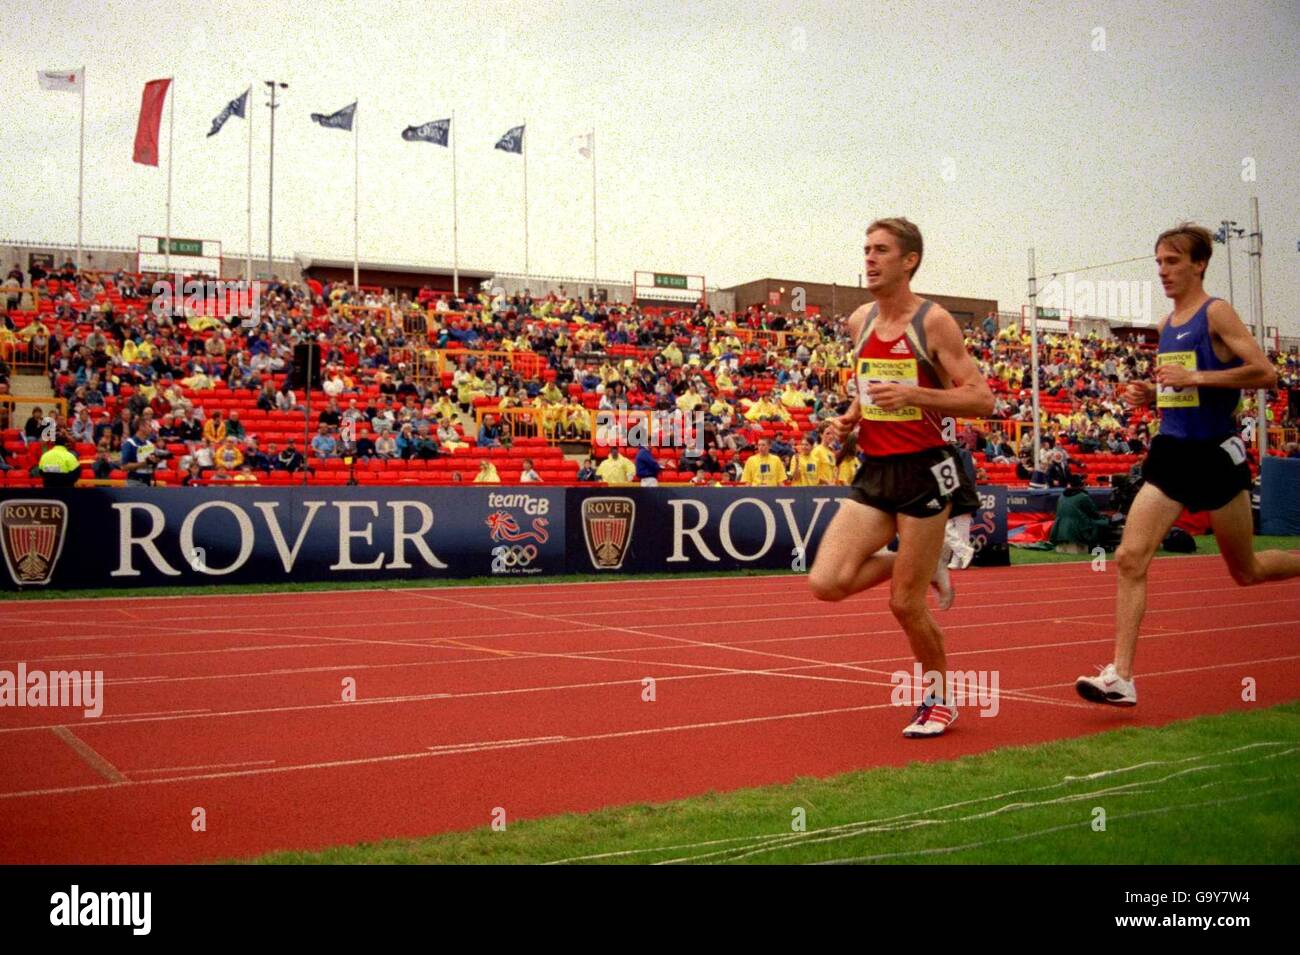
(509, 556)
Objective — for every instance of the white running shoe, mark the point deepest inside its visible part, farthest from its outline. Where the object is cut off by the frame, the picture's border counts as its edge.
(956, 534)
(1107, 687)
(930, 721)
(941, 580)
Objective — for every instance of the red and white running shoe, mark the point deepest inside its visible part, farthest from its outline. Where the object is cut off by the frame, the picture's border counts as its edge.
(930, 721)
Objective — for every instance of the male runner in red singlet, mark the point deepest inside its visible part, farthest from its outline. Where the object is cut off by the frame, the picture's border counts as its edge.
(1198, 461)
(911, 370)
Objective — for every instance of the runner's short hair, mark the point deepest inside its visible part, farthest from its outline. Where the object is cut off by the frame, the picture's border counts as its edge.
(1192, 240)
(907, 234)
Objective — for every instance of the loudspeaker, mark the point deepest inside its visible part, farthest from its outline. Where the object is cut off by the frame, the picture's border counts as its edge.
(306, 364)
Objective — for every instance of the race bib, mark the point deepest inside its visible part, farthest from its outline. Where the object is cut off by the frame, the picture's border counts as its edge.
(946, 476)
(898, 371)
(1167, 397)
(1236, 449)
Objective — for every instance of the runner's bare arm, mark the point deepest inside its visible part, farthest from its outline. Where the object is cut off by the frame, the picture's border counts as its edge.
(1138, 394)
(847, 423)
(1256, 372)
(970, 395)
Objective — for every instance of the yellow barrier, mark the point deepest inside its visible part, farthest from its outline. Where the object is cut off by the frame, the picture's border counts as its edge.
(549, 422)
(10, 417)
(1280, 437)
(760, 335)
(526, 363)
(382, 310)
(16, 347)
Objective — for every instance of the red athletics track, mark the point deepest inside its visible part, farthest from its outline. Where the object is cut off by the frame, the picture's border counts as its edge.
(529, 698)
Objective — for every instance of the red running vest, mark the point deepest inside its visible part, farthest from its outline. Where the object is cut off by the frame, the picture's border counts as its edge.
(905, 430)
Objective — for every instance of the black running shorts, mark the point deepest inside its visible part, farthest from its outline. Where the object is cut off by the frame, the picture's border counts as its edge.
(920, 484)
(1200, 475)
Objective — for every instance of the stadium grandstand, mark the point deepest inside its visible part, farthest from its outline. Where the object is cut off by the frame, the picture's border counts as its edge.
(413, 385)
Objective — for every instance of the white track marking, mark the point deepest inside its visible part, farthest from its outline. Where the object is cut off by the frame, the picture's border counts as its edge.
(178, 769)
(468, 748)
(1024, 694)
(169, 630)
(1212, 666)
(88, 755)
(494, 744)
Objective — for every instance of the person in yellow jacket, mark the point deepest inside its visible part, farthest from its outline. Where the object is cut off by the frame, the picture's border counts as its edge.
(445, 408)
(763, 409)
(689, 400)
(487, 473)
(59, 467)
(824, 454)
(763, 469)
(616, 469)
(805, 466)
(792, 397)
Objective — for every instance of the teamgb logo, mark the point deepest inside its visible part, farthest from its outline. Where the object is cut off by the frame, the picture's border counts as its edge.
(32, 534)
(514, 557)
(607, 525)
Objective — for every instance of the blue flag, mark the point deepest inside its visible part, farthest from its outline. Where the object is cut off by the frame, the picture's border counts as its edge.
(235, 107)
(512, 141)
(1221, 235)
(340, 120)
(434, 132)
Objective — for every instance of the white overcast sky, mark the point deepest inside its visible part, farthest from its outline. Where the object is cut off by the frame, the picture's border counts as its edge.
(735, 140)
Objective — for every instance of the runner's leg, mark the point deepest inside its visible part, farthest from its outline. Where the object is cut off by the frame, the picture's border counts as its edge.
(1149, 520)
(920, 540)
(1234, 530)
(847, 559)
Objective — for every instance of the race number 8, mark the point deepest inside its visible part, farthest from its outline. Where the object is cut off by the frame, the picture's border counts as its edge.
(945, 475)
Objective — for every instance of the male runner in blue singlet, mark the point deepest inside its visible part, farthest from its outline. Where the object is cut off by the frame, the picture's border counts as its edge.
(1198, 461)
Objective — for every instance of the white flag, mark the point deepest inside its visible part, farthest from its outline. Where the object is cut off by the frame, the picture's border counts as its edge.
(584, 144)
(66, 81)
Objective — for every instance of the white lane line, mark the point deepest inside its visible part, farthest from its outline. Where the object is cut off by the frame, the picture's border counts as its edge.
(87, 753)
(179, 769)
(468, 749)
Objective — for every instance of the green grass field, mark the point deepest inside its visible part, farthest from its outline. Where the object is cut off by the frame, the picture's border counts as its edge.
(1212, 790)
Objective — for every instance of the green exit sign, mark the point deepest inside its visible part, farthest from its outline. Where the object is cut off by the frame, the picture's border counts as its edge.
(181, 246)
(669, 281)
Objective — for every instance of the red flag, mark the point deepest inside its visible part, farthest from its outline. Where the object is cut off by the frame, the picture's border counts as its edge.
(146, 132)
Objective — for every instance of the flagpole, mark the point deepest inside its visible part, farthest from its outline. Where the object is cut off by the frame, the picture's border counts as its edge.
(455, 244)
(356, 199)
(171, 136)
(595, 280)
(523, 147)
(248, 210)
(81, 166)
